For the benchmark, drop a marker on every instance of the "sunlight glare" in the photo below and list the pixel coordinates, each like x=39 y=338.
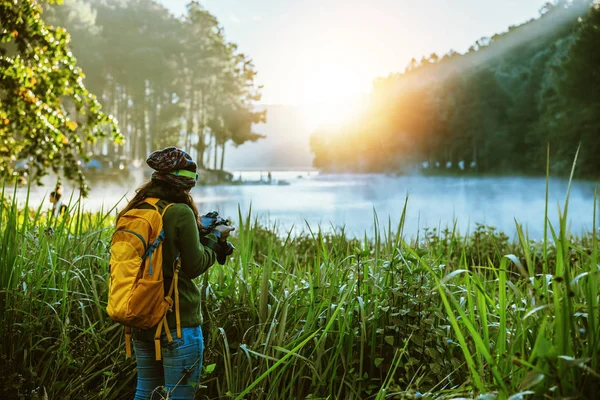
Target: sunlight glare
x=332 y=114
x=331 y=90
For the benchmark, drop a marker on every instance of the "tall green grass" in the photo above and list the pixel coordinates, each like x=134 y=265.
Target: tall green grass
x=319 y=315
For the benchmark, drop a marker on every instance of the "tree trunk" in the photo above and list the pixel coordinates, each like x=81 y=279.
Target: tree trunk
x=110 y=106
x=189 y=128
x=200 y=149
x=126 y=127
x=132 y=139
x=215 y=147
x=153 y=117
x=143 y=138
x=201 y=126
x=474 y=155
x=201 y=146
x=222 y=155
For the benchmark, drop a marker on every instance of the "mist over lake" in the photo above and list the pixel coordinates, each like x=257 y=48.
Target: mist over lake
x=349 y=200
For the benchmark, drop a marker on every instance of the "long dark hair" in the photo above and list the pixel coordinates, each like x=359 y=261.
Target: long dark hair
x=172 y=194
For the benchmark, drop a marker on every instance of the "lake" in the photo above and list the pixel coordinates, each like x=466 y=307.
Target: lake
x=350 y=200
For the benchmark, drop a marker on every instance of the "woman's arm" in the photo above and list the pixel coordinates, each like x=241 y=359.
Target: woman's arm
x=195 y=257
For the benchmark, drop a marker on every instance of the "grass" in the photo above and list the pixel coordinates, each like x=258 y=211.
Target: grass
x=321 y=316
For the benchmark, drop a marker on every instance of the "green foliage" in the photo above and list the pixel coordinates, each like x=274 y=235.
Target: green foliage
x=491 y=110
x=46 y=113
x=316 y=315
x=581 y=85
x=169 y=80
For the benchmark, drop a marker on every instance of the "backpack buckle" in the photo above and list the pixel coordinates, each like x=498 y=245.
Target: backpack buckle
x=169 y=301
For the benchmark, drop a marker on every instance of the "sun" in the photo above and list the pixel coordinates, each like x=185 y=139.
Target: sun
x=330 y=91
x=331 y=114
x=330 y=99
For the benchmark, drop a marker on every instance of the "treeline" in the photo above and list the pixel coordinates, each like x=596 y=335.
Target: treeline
x=492 y=110
x=166 y=80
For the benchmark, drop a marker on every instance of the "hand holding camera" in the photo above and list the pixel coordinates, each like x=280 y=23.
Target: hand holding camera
x=223 y=231
x=217 y=225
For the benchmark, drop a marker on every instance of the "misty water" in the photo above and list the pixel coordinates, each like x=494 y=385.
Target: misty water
x=434 y=202
x=350 y=200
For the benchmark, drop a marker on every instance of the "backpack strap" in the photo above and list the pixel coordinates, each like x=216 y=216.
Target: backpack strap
x=165 y=209
x=128 y=341
x=153 y=201
x=163 y=321
x=152 y=247
x=174 y=282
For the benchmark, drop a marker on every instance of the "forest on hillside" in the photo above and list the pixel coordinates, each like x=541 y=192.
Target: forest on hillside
x=494 y=109
x=165 y=79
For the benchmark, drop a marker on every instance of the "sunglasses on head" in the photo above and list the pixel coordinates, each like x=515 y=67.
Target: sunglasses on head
x=186 y=173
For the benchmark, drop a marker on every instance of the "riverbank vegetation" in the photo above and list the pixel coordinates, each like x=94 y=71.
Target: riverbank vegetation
x=315 y=315
x=166 y=80
x=485 y=111
x=318 y=315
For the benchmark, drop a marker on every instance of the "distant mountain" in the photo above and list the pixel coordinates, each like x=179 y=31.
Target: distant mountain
x=285 y=147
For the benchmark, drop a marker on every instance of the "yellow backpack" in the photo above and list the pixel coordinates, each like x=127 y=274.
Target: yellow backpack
x=136 y=293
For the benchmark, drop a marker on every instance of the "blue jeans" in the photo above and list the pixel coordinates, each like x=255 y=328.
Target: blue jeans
x=178 y=371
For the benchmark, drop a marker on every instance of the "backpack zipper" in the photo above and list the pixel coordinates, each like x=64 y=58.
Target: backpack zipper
x=153 y=247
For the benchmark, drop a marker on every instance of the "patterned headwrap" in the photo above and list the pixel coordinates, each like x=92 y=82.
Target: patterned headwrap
x=173 y=166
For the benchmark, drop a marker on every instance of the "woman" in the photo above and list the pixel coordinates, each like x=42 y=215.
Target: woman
x=179 y=370
x=58 y=208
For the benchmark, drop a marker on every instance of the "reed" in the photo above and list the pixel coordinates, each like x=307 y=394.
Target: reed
x=316 y=315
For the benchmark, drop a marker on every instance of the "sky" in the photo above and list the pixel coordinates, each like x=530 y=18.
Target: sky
x=313 y=52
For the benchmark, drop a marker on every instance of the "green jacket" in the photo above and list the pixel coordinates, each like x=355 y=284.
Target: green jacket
x=182 y=238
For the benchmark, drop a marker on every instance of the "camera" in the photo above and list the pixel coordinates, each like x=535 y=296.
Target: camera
x=211 y=220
